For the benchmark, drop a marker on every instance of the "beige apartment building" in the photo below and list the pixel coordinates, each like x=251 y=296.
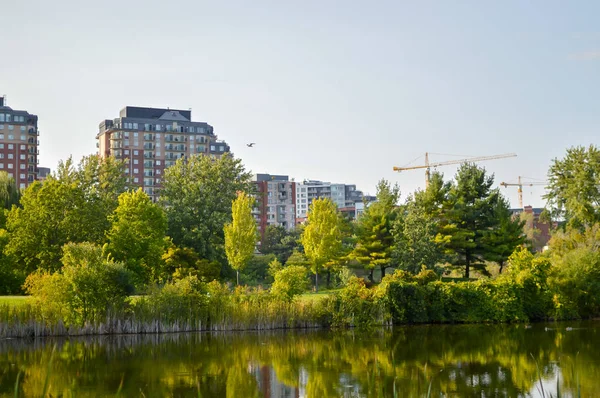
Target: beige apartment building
x=18 y=144
x=152 y=139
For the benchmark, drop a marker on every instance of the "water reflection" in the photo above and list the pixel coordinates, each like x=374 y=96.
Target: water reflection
x=481 y=360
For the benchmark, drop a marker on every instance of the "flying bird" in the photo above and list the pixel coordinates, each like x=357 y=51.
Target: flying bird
x=250 y=145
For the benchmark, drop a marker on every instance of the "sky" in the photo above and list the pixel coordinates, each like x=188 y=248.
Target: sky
x=336 y=91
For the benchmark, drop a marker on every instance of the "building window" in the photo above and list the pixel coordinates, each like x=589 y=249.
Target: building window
x=1 y=146
x=212 y=148
x=135 y=171
x=22 y=176
x=135 y=126
x=157 y=136
x=136 y=180
x=22 y=156
x=22 y=185
x=221 y=148
x=10 y=126
x=1 y=127
x=11 y=146
x=135 y=161
x=1 y=165
x=22 y=166
x=135 y=153
x=1 y=117
x=126 y=151
x=135 y=134
x=158 y=172
x=23 y=147
x=23 y=129
x=159 y=127
x=10 y=166
x=8 y=117
x=11 y=156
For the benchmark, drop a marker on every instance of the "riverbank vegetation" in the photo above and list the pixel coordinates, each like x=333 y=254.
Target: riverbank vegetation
x=98 y=256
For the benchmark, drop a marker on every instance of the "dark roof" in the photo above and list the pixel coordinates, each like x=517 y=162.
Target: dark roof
x=152 y=113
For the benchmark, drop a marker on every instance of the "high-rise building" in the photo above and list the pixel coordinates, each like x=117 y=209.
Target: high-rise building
x=18 y=144
x=152 y=139
x=276 y=202
x=344 y=196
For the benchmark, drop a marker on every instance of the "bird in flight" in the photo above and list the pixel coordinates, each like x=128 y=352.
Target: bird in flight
x=250 y=145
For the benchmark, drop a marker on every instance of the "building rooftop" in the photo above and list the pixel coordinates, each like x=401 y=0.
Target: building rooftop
x=156 y=113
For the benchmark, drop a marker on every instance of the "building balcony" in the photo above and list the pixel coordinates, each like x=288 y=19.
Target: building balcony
x=148 y=155
x=33 y=132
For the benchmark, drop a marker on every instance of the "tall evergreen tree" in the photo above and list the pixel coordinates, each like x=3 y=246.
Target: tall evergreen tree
x=467 y=215
x=375 y=244
x=500 y=242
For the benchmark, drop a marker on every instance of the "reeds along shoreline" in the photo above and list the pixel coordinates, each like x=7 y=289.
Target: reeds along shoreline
x=29 y=322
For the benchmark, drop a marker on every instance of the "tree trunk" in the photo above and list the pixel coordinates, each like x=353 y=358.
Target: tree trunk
x=501 y=263
x=316 y=281
x=383 y=267
x=328 y=278
x=468 y=264
x=371 y=275
x=237 y=274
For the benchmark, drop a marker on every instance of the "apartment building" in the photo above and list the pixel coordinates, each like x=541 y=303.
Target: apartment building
x=275 y=202
x=152 y=139
x=343 y=195
x=18 y=144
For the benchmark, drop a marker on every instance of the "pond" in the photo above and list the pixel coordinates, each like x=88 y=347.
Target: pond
x=455 y=361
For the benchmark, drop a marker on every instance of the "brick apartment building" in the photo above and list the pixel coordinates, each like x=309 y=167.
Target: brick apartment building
x=18 y=144
x=275 y=202
x=152 y=139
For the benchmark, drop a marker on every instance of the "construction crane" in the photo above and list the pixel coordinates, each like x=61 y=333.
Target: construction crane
x=520 y=184
x=427 y=166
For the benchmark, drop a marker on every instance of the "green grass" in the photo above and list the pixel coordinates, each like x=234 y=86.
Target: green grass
x=15 y=301
x=312 y=297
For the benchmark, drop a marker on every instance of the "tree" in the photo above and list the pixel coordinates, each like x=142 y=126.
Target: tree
x=71 y=206
x=240 y=234
x=467 y=215
x=290 y=282
x=500 y=242
x=181 y=262
x=415 y=242
x=9 y=195
x=321 y=237
x=280 y=242
x=574 y=187
x=196 y=195
x=137 y=235
x=375 y=240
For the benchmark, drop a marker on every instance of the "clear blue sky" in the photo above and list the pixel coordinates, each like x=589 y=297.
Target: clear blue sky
x=337 y=91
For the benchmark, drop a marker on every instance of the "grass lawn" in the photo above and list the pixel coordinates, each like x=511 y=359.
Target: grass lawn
x=13 y=300
x=312 y=296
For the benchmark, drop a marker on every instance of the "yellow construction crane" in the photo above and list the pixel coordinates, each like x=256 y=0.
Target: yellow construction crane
x=520 y=184
x=427 y=166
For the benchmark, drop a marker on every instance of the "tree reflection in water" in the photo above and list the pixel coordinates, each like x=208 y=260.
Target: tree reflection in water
x=464 y=360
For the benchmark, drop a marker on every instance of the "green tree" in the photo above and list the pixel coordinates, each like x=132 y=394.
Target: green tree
x=240 y=233
x=196 y=195
x=500 y=242
x=181 y=262
x=280 y=242
x=9 y=195
x=415 y=233
x=321 y=237
x=375 y=244
x=290 y=282
x=467 y=215
x=137 y=235
x=71 y=206
x=574 y=187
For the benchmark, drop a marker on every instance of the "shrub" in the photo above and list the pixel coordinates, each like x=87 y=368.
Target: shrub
x=289 y=282
x=87 y=289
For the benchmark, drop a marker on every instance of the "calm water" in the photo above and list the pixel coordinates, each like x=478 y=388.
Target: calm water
x=462 y=361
